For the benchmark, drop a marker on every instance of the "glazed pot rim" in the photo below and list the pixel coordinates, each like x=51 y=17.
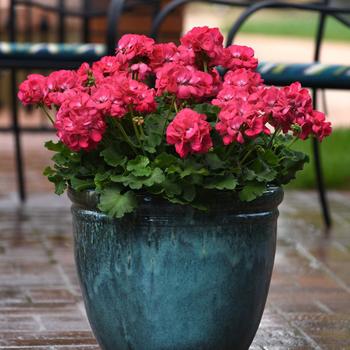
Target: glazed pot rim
x=227 y=201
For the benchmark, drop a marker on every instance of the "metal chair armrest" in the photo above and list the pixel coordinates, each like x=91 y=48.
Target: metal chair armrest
x=115 y=11
x=314 y=7
x=172 y=6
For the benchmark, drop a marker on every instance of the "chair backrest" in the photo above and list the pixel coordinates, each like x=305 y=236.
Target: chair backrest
x=53 y=16
x=173 y=5
x=324 y=8
x=342 y=4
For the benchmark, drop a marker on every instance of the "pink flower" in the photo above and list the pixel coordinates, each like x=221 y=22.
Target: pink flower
x=216 y=84
x=190 y=133
x=118 y=94
x=299 y=100
x=206 y=43
x=140 y=96
x=314 y=124
x=320 y=128
x=286 y=105
x=141 y=70
x=106 y=66
x=79 y=123
x=237 y=56
x=134 y=47
x=239 y=118
x=228 y=95
x=271 y=98
x=33 y=89
x=163 y=54
x=184 y=82
x=243 y=79
x=229 y=127
x=255 y=125
x=83 y=74
x=187 y=57
x=61 y=80
x=57 y=83
x=103 y=97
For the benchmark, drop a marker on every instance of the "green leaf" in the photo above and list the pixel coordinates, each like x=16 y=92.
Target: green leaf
x=152 y=140
x=251 y=191
x=214 y=161
x=228 y=182
x=165 y=160
x=136 y=183
x=174 y=169
x=55 y=147
x=263 y=172
x=48 y=171
x=192 y=168
x=156 y=177
x=115 y=204
x=292 y=161
x=60 y=159
x=60 y=186
x=153 y=128
x=189 y=192
x=207 y=109
x=58 y=180
x=100 y=179
x=248 y=174
x=112 y=157
x=172 y=188
x=176 y=200
x=138 y=166
x=270 y=157
x=81 y=184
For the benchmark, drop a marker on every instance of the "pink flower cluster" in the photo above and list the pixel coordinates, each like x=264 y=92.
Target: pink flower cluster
x=189 y=132
x=79 y=123
x=119 y=86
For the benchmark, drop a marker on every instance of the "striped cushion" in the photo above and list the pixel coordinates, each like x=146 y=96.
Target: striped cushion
x=52 y=51
x=310 y=75
x=316 y=75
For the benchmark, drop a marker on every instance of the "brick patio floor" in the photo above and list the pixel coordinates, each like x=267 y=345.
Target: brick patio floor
x=40 y=304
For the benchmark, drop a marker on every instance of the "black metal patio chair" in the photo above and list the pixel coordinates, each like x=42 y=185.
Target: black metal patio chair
x=313 y=75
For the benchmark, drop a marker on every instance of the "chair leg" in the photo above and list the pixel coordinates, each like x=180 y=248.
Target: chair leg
x=320 y=184
x=319 y=176
x=17 y=138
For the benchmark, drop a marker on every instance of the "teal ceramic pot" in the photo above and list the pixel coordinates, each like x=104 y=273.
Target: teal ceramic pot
x=169 y=277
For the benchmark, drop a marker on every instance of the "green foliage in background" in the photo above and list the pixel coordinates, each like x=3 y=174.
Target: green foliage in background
x=293 y=23
x=336 y=162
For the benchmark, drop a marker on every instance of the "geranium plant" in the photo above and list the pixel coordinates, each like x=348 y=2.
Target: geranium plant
x=160 y=119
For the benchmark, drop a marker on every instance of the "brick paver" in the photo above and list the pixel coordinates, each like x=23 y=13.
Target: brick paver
x=40 y=303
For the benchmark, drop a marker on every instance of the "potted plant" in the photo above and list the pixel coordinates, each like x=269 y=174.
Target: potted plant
x=175 y=174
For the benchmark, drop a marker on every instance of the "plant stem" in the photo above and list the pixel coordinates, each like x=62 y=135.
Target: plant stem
x=273 y=137
x=168 y=115
x=292 y=142
x=142 y=133
x=175 y=106
x=138 y=136
x=126 y=137
x=246 y=156
x=205 y=66
x=47 y=114
x=230 y=148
